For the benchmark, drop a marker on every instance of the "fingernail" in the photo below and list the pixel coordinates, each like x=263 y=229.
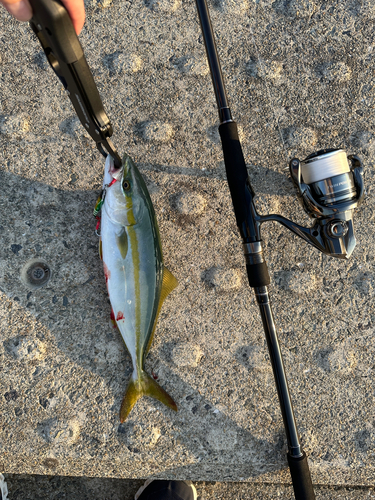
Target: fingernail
x=20 y=10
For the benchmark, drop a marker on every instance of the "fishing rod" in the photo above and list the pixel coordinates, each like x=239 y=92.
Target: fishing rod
x=330 y=186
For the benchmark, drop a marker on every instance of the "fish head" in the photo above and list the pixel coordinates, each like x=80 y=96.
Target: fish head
x=132 y=189
x=125 y=199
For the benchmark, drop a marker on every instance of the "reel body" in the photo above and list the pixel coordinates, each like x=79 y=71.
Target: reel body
x=329 y=189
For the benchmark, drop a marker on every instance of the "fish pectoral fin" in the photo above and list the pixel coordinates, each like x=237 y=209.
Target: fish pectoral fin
x=144 y=386
x=169 y=283
x=100 y=249
x=122 y=242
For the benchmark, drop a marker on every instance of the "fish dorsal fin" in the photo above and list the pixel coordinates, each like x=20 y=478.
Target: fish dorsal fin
x=122 y=242
x=169 y=283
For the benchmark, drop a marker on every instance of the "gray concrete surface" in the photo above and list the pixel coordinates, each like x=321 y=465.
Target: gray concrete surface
x=300 y=77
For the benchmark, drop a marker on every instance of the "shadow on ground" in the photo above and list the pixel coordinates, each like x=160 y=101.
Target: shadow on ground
x=22 y=487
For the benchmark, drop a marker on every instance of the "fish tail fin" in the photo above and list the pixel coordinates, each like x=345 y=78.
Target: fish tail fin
x=133 y=393
x=144 y=386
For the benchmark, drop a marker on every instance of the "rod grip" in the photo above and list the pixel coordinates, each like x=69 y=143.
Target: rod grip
x=236 y=171
x=258 y=274
x=301 y=478
x=242 y=198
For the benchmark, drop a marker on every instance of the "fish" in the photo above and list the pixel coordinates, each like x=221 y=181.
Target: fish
x=137 y=279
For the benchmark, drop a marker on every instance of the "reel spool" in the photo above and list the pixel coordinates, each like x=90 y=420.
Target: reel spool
x=329 y=177
x=329 y=189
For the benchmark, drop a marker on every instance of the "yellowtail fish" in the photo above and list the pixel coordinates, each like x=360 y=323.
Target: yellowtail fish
x=137 y=280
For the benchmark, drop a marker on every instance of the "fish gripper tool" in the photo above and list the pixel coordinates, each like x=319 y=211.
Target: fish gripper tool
x=53 y=27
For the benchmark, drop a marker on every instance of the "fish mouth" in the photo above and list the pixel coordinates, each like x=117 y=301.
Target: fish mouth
x=120 y=172
x=112 y=169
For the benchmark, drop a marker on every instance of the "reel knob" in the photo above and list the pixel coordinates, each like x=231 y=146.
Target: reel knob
x=337 y=228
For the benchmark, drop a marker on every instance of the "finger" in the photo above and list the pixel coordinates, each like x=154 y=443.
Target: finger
x=20 y=9
x=76 y=9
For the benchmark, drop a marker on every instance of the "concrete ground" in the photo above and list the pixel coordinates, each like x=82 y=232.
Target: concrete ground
x=300 y=78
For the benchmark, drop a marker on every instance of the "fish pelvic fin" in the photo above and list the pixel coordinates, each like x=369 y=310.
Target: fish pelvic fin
x=144 y=385
x=100 y=249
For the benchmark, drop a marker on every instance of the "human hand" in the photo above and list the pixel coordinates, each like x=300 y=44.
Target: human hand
x=22 y=11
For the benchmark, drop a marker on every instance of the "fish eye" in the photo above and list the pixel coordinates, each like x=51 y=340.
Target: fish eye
x=126 y=185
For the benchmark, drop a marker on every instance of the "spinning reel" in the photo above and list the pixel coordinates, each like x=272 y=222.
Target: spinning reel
x=329 y=189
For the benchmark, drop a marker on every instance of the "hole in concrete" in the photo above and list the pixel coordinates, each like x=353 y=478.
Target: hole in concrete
x=36 y=273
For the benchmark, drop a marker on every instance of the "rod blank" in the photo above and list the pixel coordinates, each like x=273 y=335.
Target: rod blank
x=214 y=62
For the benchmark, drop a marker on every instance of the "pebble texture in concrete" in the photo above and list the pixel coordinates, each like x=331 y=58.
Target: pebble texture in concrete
x=300 y=78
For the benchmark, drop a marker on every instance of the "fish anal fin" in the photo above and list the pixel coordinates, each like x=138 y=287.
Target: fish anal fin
x=144 y=386
x=122 y=242
x=113 y=319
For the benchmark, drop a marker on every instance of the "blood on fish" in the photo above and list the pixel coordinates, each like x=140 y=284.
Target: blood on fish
x=107 y=272
x=120 y=315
